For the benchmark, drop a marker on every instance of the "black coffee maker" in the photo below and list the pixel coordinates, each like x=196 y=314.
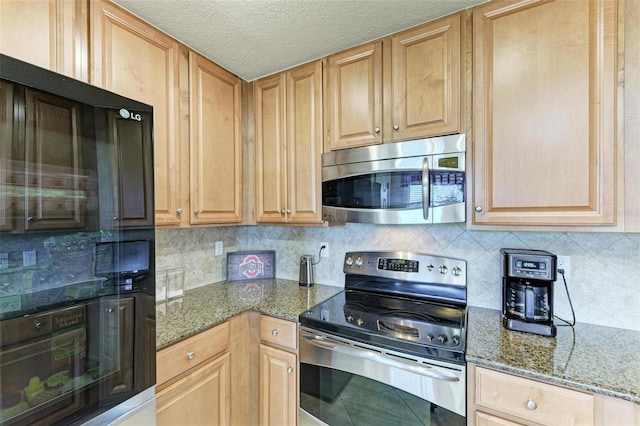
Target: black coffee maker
x=527 y=290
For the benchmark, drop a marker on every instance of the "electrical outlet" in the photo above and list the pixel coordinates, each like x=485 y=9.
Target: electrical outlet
x=219 y=248
x=4 y=260
x=29 y=258
x=325 y=251
x=564 y=262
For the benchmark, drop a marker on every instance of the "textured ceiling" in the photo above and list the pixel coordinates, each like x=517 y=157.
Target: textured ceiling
x=255 y=38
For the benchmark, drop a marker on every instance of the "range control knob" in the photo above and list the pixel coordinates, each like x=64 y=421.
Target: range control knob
x=350 y=318
x=349 y=261
x=456 y=271
x=442 y=338
x=455 y=340
x=359 y=322
x=443 y=269
x=430 y=267
x=429 y=337
x=358 y=262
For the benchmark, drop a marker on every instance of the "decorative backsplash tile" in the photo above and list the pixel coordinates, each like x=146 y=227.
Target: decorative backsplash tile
x=604 y=283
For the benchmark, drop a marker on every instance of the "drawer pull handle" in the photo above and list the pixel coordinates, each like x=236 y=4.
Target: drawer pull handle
x=289 y=370
x=531 y=404
x=191 y=355
x=274 y=332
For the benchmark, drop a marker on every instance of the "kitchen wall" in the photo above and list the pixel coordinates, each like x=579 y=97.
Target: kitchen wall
x=604 y=279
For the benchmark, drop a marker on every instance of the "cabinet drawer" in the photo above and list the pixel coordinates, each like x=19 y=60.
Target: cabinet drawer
x=278 y=331
x=532 y=400
x=190 y=352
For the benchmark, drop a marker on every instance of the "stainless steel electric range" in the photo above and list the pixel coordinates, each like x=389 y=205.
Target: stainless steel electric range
x=390 y=348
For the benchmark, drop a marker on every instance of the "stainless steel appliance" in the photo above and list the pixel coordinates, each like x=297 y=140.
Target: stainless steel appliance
x=527 y=290
x=77 y=241
x=390 y=348
x=307 y=271
x=419 y=181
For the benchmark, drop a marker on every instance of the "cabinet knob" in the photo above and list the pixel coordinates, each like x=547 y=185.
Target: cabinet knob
x=274 y=332
x=179 y=211
x=115 y=218
x=531 y=404
x=110 y=310
x=396 y=127
x=287 y=211
x=377 y=129
x=478 y=209
x=196 y=212
x=191 y=355
x=290 y=370
x=37 y=324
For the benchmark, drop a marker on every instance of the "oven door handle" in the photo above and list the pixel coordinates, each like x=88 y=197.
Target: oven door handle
x=421 y=369
x=426 y=188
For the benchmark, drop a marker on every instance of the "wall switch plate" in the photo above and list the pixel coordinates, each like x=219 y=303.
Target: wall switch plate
x=325 y=251
x=564 y=262
x=29 y=258
x=4 y=260
x=218 y=249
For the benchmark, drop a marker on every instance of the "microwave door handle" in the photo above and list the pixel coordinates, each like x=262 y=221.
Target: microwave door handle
x=426 y=187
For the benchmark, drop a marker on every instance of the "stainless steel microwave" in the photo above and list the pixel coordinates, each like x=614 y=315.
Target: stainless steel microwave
x=418 y=181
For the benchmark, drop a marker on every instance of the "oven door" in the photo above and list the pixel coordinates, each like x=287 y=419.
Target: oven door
x=410 y=190
x=343 y=382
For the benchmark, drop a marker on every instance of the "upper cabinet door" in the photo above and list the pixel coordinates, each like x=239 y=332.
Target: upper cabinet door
x=544 y=109
x=355 y=97
x=51 y=34
x=216 y=143
x=304 y=143
x=425 y=87
x=134 y=59
x=269 y=96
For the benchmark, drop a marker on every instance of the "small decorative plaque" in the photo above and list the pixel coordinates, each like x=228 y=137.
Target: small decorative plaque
x=251 y=265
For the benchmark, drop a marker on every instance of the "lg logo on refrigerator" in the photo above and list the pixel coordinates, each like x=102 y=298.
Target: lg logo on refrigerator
x=124 y=113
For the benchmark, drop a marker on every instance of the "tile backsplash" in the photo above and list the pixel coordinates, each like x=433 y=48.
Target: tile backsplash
x=604 y=281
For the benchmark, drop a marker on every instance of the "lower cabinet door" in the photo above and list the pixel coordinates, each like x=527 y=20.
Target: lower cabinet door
x=200 y=398
x=278 y=387
x=483 y=419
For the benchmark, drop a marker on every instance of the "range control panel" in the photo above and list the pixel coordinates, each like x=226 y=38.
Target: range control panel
x=404 y=265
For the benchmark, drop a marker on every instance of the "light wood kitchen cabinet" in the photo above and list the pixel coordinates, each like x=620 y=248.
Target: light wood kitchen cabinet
x=529 y=400
x=544 y=108
x=202 y=397
x=216 y=143
x=133 y=59
x=194 y=380
x=425 y=81
x=288 y=123
x=278 y=372
x=51 y=34
x=498 y=398
x=354 y=97
x=403 y=87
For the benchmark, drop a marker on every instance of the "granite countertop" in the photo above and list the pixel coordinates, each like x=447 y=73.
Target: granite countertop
x=593 y=358
x=206 y=306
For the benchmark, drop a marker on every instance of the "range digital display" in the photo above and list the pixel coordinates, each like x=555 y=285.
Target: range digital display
x=403 y=265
